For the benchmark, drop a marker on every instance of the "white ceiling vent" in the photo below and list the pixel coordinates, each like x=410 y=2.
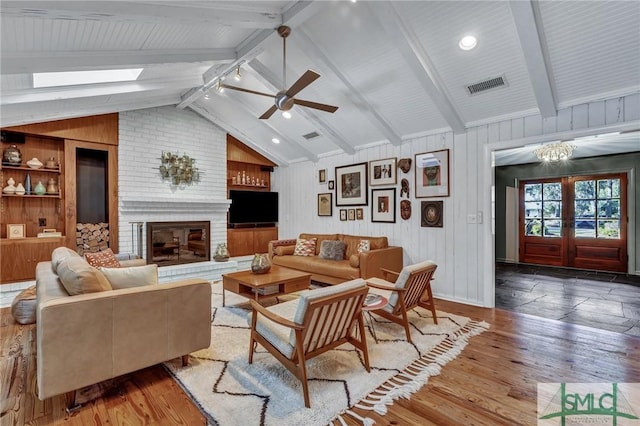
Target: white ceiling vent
x=311 y=135
x=490 y=84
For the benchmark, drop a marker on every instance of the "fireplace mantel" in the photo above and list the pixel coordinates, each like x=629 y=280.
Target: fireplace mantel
x=174 y=205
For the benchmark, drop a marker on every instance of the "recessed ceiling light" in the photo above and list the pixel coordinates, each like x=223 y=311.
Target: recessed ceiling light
x=73 y=78
x=467 y=42
x=275 y=140
x=286 y=114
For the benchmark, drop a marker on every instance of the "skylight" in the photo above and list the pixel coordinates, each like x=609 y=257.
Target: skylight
x=73 y=78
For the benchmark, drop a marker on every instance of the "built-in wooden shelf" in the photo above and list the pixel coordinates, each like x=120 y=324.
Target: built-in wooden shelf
x=31 y=169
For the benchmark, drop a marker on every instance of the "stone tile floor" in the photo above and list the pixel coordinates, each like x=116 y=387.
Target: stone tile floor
x=601 y=300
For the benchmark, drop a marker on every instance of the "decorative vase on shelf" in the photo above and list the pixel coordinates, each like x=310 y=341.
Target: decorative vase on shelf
x=10 y=188
x=52 y=186
x=260 y=264
x=34 y=163
x=20 y=189
x=39 y=189
x=27 y=184
x=12 y=156
x=222 y=253
x=51 y=163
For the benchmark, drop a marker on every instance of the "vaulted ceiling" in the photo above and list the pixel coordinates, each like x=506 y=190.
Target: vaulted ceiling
x=394 y=69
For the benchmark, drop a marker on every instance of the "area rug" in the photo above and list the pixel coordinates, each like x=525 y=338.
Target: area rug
x=230 y=391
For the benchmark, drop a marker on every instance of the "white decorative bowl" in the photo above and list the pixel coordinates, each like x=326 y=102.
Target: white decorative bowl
x=34 y=163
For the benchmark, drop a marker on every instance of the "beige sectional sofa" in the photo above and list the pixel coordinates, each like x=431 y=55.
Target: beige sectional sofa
x=86 y=338
x=352 y=265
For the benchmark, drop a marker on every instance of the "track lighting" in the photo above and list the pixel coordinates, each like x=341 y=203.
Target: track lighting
x=237 y=77
x=220 y=88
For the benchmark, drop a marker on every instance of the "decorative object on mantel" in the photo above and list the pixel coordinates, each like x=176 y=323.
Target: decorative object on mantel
x=557 y=151
x=11 y=187
x=34 y=163
x=12 y=156
x=260 y=264
x=179 y=170
x=222 y=253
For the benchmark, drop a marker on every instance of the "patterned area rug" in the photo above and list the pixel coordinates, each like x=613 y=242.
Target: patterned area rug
x=230 y=391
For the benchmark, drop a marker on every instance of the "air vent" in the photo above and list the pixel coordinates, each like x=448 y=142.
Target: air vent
x=311 y=135
x=483 y=86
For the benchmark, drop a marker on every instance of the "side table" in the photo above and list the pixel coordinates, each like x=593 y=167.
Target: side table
x=371 y=303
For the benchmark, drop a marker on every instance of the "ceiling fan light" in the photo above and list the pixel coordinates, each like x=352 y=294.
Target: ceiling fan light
x=467 y=42
x=286 y=114
x=220 y=89
x=275 y=140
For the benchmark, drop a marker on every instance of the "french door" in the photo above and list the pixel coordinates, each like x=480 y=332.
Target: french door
x=578 y=221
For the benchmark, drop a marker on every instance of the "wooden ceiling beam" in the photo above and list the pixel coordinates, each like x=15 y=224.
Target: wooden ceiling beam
x=531 y=36
x=56 y=61
x=234 y=14
x=407 y=42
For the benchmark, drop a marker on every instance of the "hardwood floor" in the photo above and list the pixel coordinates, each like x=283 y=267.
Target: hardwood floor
x=493 y=381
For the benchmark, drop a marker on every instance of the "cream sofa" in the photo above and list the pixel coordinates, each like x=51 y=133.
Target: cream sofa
x=87 y=338
x=353 y=264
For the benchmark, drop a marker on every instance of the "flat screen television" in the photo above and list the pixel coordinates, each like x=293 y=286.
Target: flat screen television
x=253 y=207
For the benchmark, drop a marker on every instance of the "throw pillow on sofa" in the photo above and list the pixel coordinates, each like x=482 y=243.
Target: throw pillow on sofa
x=78 y=277
x=105 y=259
x=59 y=254
x=134 y=276
x=284 y=250
x=305 y=247
x=333 y=250
x=364 y=245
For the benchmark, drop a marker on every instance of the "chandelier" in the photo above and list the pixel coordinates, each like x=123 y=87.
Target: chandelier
x=557 y=151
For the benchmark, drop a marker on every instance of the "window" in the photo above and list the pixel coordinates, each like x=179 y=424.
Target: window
x=597 y=208
x=543 y=209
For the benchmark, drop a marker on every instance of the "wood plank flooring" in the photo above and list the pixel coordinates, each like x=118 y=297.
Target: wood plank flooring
x=493 y=381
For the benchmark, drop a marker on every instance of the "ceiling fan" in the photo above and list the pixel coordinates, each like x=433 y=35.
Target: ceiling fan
x=284 y=100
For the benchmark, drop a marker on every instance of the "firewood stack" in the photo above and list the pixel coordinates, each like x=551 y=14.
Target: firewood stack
x=92 y=237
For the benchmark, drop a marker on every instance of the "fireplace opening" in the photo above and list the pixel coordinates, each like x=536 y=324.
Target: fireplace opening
x=174 y=243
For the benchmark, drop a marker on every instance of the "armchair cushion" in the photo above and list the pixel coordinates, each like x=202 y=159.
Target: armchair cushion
x=78 y=277
x=276 y=334
x=135 y=276
x=104 y=258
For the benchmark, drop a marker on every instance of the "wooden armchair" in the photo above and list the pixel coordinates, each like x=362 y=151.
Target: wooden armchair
x=318 y=321
x=412 y=288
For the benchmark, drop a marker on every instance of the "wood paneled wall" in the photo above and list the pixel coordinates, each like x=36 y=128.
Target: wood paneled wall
x=97 y=128
x=462 y=250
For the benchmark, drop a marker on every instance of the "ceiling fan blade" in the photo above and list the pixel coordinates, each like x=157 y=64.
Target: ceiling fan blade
x=240 y=89
x=268 y=113
x=315 y=105
x=307 y=78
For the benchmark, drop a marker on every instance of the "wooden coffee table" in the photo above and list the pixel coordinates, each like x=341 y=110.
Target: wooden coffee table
x=261 y=286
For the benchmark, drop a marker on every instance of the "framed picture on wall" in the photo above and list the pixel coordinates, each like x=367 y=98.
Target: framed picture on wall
x=351 y=185
x=383 y=205
x=351 y=213
x=325 y=204
x=359 y=213
x=343 y=214
x=383 y=172
x=331 y=185
x=432 y=174
x=322 y=175
x=431 y=214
